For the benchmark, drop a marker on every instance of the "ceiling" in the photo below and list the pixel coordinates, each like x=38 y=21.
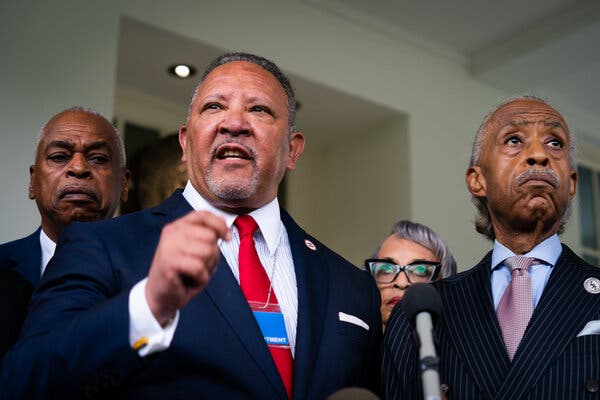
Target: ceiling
x=450 y=23
x=325 y=113
x=546 y=47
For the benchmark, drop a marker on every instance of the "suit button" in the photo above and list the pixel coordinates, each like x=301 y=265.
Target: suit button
x=592 y=385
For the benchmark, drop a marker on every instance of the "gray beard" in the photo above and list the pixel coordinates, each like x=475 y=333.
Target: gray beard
x=237 y=190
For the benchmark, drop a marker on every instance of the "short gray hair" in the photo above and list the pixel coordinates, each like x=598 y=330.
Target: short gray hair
x=483 y=220
x=89 y=111
x=428 y=238
x=266 y=64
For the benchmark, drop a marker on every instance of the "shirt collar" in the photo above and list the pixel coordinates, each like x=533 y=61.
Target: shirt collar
x=548 y=251
x=48 y=247
x=267 y=217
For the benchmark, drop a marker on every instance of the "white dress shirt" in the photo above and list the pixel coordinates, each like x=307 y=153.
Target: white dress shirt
x=48 y=247
x=273 y=248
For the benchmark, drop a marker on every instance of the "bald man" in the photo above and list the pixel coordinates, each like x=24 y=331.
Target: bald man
x=79 y=175
x=525 y=322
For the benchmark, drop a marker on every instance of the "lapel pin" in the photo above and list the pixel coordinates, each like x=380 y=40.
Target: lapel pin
x=312 y=246
x=592 y=285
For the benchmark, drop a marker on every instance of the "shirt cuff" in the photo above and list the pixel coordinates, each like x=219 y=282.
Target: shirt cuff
x=145 y=333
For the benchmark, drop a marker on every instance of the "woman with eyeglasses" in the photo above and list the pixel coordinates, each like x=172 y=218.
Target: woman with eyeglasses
x=412 y=253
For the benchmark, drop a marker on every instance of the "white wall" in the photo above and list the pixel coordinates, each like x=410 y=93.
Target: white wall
x=53 y=57
x=64 y=53
x=350 y=194
x=145 y=110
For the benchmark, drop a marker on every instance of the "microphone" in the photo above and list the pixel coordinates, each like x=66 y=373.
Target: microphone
x=422 y=305
x=353 y=393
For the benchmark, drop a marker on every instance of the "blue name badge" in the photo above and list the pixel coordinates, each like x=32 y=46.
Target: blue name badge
x=272 y=327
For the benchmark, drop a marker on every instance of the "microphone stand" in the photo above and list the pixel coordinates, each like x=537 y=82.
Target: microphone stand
x=428 y=358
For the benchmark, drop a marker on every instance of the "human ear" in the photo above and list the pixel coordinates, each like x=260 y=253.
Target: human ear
x=296 y=148
x=476 y=182
x=31 y=193
x=183 y=141
x=572 y=184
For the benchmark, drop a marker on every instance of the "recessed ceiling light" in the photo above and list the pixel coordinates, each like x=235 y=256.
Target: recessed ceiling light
x=182 y=71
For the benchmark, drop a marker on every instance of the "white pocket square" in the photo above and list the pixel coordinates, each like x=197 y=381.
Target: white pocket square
x=591 y=328
x=351 y=319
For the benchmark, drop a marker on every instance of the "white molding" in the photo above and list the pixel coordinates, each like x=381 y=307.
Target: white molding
x=534 y=36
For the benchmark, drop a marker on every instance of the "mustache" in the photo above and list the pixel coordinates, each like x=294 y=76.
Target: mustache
x=70 y=189
x=214 y=149
x=541 y=174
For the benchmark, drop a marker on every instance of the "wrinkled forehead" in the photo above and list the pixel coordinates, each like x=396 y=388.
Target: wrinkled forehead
x=525 y=112
x=78 y=128
x=242 y=73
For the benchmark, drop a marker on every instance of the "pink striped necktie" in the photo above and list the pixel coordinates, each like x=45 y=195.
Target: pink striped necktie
x=516 y=305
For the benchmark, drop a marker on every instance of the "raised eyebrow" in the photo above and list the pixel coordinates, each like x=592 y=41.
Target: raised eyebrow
x=259 y=100
x=519 y=122
x=554 y=124
x=547 y=122
x=212 y=97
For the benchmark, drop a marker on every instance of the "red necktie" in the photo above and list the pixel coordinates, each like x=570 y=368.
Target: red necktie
x=255 y=285
x=516 y=305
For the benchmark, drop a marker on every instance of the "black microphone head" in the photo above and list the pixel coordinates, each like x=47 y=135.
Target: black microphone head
x=421 y=297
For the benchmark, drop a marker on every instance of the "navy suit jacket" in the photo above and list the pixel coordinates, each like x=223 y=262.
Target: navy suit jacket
x=24 y=256
x=20 y=270
x=550 y=363
x=14 y=296
x=75 y=340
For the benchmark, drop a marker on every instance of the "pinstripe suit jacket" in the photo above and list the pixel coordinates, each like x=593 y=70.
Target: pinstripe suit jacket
x=550 y=363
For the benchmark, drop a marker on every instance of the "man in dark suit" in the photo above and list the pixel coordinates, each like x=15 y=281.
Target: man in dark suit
x=158 y=304
x=525 y=327
x=79 y=175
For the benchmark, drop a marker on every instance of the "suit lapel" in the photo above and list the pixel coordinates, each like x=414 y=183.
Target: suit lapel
x=174 y=207
x=312 y=280
x=551 y=328
x=473 y=327
x=27 y=257
x=225 y=293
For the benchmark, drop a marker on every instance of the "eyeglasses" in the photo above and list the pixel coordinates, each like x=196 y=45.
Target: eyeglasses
x=385 y=271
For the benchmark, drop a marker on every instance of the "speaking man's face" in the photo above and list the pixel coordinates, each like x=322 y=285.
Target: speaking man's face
x=236 y=145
